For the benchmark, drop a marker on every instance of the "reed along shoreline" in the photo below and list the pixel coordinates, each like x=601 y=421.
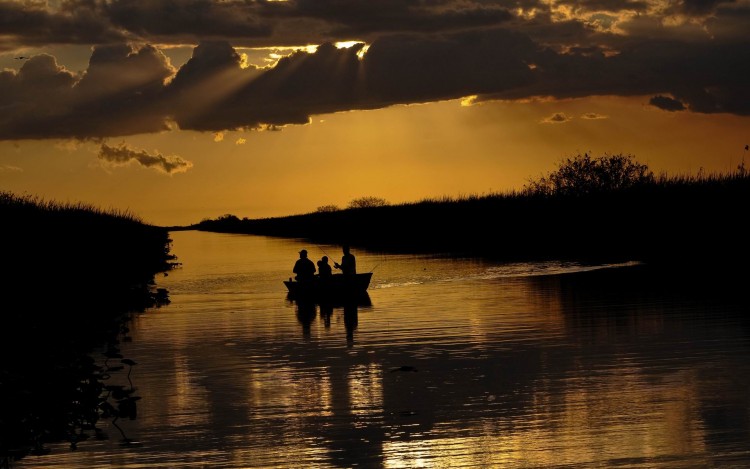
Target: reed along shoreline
x=72 y=277
x=678 y=223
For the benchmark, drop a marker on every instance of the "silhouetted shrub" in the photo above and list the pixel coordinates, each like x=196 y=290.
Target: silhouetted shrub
x=327 y=208
x=229 y=218
x=368 y=202
x=585 y=175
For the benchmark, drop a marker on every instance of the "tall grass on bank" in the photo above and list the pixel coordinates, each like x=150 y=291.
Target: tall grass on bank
x=603 y=209
x=71 y=275
x=80 y=249
x=24 y=205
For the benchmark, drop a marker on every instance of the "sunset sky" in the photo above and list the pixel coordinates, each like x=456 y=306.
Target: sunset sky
x=182 y=110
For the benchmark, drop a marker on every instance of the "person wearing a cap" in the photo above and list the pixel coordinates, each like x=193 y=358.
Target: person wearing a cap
x=304 y=267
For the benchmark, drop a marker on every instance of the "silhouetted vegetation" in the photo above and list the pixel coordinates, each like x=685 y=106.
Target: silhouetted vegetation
x=606 y=209
x=72 y=275
x=368 y=202
x=328 y=208
x=77 y=250
x=583 y=175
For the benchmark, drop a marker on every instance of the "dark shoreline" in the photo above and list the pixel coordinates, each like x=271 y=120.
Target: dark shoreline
x=75 y=276
x=72 y=279
x=695 y=226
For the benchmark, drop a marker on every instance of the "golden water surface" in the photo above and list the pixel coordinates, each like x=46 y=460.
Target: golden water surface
x=452 y=363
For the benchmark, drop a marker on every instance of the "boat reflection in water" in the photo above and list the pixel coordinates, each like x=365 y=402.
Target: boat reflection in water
x=457 y=363
x=337 y=291
x=307 y=309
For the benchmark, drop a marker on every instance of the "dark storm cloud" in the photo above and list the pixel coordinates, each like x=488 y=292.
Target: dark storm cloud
x=118 y=68
x=399 y=69
x=31 y=23
x=666 y=103
x=729 y=21
x=36 y=96
x=699 y=7
x=243 y=22
x=556 y=118
x=206 y=88
x=122 y=154
x=606 y=5
x=418 y=51
x=97 y=22
x=188 y=18
x=706 y=77
x=593 y=116
x=298 y=86
x=358 y=18
x=408 y=68
x=119 y=94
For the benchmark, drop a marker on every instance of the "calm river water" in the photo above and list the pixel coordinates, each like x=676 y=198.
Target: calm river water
x=452 y=363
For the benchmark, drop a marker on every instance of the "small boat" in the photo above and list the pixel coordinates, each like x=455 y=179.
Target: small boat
x=336 y=286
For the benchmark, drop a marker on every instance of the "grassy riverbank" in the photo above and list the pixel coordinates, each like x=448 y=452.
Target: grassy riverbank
x=606 y=210
x=79 y=255
x=72 y=274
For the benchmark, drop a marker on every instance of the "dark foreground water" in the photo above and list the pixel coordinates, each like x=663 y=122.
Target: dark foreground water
x=452 y=363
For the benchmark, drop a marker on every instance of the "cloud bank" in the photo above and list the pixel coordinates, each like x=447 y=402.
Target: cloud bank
x=691 y=55
x=556 y=118
x=122 y=154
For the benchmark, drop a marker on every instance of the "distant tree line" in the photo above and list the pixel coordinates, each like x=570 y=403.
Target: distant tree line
x=360 y=202
x=610 y=208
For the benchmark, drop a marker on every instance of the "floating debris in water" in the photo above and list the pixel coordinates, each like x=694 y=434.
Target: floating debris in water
x=404 y=368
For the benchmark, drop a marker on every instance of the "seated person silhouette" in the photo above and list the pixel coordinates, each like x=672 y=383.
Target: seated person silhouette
x=324 y=268
x=304 y=267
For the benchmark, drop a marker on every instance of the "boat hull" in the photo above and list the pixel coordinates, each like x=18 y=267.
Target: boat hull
x=335 y=287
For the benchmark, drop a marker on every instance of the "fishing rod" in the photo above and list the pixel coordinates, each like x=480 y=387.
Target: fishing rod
x=376 y=265
x=327 y=255
x=324 y=251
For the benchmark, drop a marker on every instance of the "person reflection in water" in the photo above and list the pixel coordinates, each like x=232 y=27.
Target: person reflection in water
x=326 y=311
x=306 y=312
x=348 y=264
x=351 y=320
x=304 y=267
x=324 y=268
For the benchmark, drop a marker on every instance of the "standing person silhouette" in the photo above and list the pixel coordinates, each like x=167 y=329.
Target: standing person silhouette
x=304 y=267
x=348 y=264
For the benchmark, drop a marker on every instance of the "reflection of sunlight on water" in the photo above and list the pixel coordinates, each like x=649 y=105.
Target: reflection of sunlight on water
x=365 y=389
x=497 y=365
x=576 y=428
x=283 y=390
x=446 y=270
x=188 y=404
x=545 y=268
x=627 y=417
x=394 y=284
x=485 y=451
